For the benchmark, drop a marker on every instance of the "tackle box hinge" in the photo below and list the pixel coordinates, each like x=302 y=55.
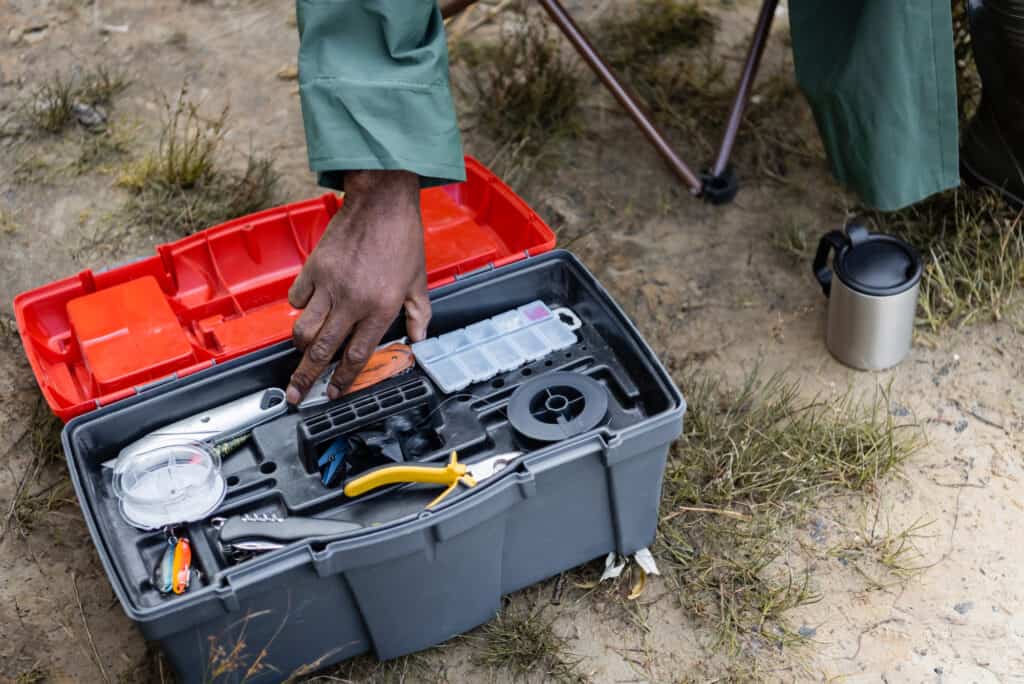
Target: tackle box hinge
x=139 y=389
x=474 y=272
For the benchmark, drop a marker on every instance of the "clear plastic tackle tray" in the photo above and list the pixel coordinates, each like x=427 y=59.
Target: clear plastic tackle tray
x=496 y=345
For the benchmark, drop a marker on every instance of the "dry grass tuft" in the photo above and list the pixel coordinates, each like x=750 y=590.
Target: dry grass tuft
x=522 y=92
x=43 y=484
x=9 y=332
x=9 y=223
x=184 y=185
x=99 y=151
x=99 y=86
x=665 y=50
x=44 y=435
x=523 y=643
x=35 y=675
x=367 y=669
x=655 y=28
x=751 y=462
x=883 y=557
x=51 y=108
x=793 y=238
x=973 y=245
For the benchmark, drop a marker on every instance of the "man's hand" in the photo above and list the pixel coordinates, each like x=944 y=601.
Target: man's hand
x=368 y=264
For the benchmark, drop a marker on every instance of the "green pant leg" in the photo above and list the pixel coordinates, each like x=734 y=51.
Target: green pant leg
x=373 y=82
x=881 y=79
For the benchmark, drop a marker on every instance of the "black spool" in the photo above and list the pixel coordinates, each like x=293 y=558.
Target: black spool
x=557 y=406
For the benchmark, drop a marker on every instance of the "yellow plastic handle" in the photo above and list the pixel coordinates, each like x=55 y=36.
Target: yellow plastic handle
x=447 y=475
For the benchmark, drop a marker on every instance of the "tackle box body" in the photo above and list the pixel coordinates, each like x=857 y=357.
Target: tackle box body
x=423 y=576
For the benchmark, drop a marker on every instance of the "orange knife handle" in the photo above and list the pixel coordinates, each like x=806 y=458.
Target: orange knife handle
x=386 y=362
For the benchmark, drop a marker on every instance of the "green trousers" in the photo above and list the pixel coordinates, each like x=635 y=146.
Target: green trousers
x=881 y=79
x=879 y=75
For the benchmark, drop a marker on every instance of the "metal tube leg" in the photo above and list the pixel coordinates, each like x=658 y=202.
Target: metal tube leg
x=739 y=105
x=579 y=41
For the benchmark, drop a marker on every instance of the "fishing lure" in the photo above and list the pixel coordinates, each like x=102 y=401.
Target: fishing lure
x=174 y=572
x=228 y=447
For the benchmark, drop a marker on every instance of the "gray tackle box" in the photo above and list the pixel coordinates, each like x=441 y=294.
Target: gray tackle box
x=421 y=576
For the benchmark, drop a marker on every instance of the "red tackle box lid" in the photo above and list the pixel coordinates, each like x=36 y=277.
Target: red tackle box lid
x=101 y=336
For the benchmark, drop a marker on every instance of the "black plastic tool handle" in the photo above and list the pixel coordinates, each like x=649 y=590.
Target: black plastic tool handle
x=281 y=530
x=834 y=240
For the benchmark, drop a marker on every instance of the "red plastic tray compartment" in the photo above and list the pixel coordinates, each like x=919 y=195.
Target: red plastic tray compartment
x=99 y=337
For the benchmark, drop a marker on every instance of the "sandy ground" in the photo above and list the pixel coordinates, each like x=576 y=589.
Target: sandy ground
x=702 y=283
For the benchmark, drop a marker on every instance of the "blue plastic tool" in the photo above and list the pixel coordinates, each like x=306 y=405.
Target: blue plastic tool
x=330 y=462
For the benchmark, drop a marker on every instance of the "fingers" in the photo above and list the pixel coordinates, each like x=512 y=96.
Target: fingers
x=417 y=312
x=308 y=325
x=318 y=355
x=364 y=340
x=301 y=289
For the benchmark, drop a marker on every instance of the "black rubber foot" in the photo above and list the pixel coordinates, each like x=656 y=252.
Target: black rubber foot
x=720 y=189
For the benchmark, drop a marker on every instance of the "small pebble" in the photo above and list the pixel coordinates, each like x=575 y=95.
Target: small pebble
x=807 y=632
x=963 y=607
x=34 y=34
x=899 y=411
x=817 y=531
x=961 y=425
x=90 y=117
x=938 y=670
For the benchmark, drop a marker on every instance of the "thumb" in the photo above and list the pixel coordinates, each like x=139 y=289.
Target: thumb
x=302 y=288
x=417 y=311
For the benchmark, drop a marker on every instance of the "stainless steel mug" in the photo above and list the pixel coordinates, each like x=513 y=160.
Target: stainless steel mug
x=872 y=287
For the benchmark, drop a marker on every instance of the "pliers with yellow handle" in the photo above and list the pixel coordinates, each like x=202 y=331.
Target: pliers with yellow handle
x=451 y=475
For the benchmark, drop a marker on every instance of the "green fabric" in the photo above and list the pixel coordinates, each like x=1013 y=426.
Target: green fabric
x=881 y=79
x=373 y=81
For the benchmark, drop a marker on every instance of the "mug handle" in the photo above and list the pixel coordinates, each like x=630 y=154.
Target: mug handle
x=834 y=240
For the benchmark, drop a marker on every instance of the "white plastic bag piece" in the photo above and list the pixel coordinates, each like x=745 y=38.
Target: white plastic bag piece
x=611 y=568
x=614 y=565
x=645 y=560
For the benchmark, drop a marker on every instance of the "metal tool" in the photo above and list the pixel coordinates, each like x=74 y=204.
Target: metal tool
x=451 y=475
x=257 y=532
x=386 y=362
x=225 y=421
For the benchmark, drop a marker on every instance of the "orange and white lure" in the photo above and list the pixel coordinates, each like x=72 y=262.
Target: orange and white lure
x=174 y=572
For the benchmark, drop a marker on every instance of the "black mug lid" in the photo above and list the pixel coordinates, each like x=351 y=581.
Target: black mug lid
x=877 y=264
